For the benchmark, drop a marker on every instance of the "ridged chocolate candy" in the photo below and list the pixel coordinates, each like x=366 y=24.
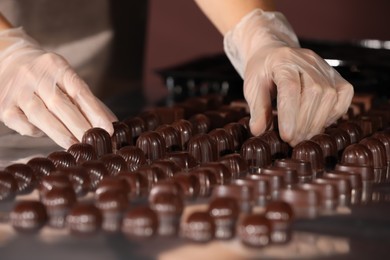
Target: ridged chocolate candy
x=200 y=123
x=99 y=139
x=303 y=168
x=183 y=159
x=203 y=148
x=329 y=150
x=114 y=163
x=79 y=178
x=254 y=230
x=199 y=227
x=133 y=156
x=24 y=176
x=28 y=216
x=239 y=134
x=136 y=126
x=378 y=151
x=62 y=159
x=84 y=219
x=121 y=136
x=153 y=145
x=257 y=153
x=151 y=120
x=236 y=164
x=184 y=127
x=171 y=136
x=223 y=140
x=140 y=222
x=279 y=148
x=311 y=152
x=41 y=166
x=8 y=186
x=96 y=171
x=354 y=130
x=82 y=152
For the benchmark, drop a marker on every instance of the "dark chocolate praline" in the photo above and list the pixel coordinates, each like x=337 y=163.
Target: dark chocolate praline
x=62 y=159
x=8 y=186
x=84 y=219
x=225 y=212
x=200 y=123
x=121 y=136
x=140 y=222
x=136 y=126
x=257 y=153
x=254 y=230
x=224 y=141
x=184 y=127
x=96 y=171
x=79 y=178
x=41 y=166
x=57 y=179
x=114 y=163
x=152 y=144
x=199 y=227
x=133 y=156
x=310 y=151
x=24 y=176
x=82 y=152
x=28 y=216
x=100 y=139
x=203 y=148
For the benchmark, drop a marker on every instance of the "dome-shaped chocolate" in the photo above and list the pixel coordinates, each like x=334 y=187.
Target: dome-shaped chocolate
x=168 y=167
x=256 y=152
x=82 y=152
x=171 y=136
x=311 y=152
x=303 y=168
x=329 y=149
x=236 y=164
x=239 y=134
x=57 y=179
x=201 y=124
x=184 y=127
x=224 y=211
x=114 y=163
x=41 y=166
x=357 y=154
x=378 y=151
x=141 y=222
x=79 y=178
x=151 y=120
x=254 y=230
x=28 y=216
x=279 y=148
x=223 y=140
x=199 y=227
x=133 y=156
x=24 y=176
x=183 y=159
x=121 y=136
x=222 y=172
x=96 y=171
x=84 y=219
x=62 y=159
x=8 y=186
x=281 y=215
x=203 y=148
x=354 y=131
x=99 y=139
x=152 y=144
x=138 y=183
x=136 y=126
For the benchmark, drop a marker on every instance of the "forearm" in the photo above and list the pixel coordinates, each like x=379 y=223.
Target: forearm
x=224 y=14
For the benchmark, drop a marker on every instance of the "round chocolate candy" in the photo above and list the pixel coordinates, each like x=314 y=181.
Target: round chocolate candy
x=223 y=140
x=254 y=230
x=357 y=154
x=344 y=189
x=100 y=139
x=114 y=163
x=276 y=182
x=8 y=186
x=164 y=186
x=256 y=153
x=310 y=151
x=200 y=123
x=171 y=136
x=169 y=167
x=367 y=124
x=138 y=184
x=222 y=172
x=236 y=164
x=82 y=152
x=305 y=202
x=84 y=219
x=261 y=189
x=112 y=203
x=281 y=215
x=199 y=227
x=341 y=136
x=24 y=176
x=207 y=179
x=303 y=168
x=152 y=174
x=184 y=127
x=151 y=120
x=279 y=148
x=57 y=179
x=121 y=136
x=290 y=176
x=378 y=151
x=329 y=150
x=133 y=156
x=182 y=159
x=245 y=123
x=28 y=216
x=62 y=159
x=328 y=195
x=152 y=144
x=79 y=178
x=41 y=166
x=242 y=192
x=239 y=134
x=140 y=222
x=58 y=201
x=96 y=171
x=112 y=184
x=136 y=126
x=188 y=183
x=354 y=131
x=203 y=148
x=355 y=180
x=225 y=212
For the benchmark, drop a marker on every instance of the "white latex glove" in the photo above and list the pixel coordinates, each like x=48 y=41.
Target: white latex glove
x=310 y=94
x=39 y=92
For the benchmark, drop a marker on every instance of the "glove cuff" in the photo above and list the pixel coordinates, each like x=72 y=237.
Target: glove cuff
x=254 y=31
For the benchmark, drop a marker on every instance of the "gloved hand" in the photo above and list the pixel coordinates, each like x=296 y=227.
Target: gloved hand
x=310 y=94
x=39 y=92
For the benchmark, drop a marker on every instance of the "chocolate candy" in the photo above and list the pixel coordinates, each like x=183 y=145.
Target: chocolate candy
x=260 y=187
x=239 y=134
x=203 y=148
x=121 y=136
x=305 y=202
x=341 y=136
x=224 y=141
x=41 y=166
x=136 y=126
x=279 y=149
x=182 y=159
x=152 y=144
x=224 y=212
x=254 y=230
x=152 y=174
x=55 y=180
x=168 y=115
x=343 y=186
x=84 y=219
x=8 y=186
x=328 y=195
x=140 y=222
x=222 y=172
x=240 y=191
x=62 y=159
x=281 y=215
x=96 y=172
x=133 y=156
x=151 y=120
x=114 y=163
x=24 y=176
x=303 y=168
x=355 y=180
x=28 y=216
x=199 y=227
x=112 y=184
x=58 y=202
x=171 y=136
x=290 y=176
x=219 y=118
x=257 y=153
x=164 y=186
x=329 y=149
x=385 y=139
x=189 y=184
x=82 y=152
x=79 y=178
x=184 y=127
x=138 y=184
x=168 y=167
x=245 y=123
x=99 y=139
x=354 y=131
x=236 y=164
x=207 y=179
x=379 y=162
x=310 y=151
x=276 y=182
x=200 y=123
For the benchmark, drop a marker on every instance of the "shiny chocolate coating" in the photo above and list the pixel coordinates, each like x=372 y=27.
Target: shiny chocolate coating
x=82 y=152
x=183 y=159
x=236 y=164
x=184 y=127
x=168 y=115
x=261 y=188
x=140 y=222
x=62 y=159
x=279 y=148
x=203 y=148
x=223 y=140
x=28 y=216
x=152 y=144
x=201 y=124
x=310 y=151
x=188 y=183
x=112 y=184
x=354 y=131
x=207 y=179
x=24 y=176
x=256 y=153
x=121 y=136
x=57 y=179
x=96 y=171
x=385 y=139
x=84 y=219
x=245 y=123
x=290 y=176
x=79 y=178
x=378 y=151
x=328 y=194
x=219 y=118
x=151 y=120
x=254 y=230
x=133 y=156
x=152 y=174
x=303 y=168
x=199 y=227
x=138 y=184
x=41 y=166
x=281 y=215
x=242 y=192
x=114 y=163
x=341 y=136
x=222 y=172
x=239 y=134
x=171 y=136
x=58 y=201
x=329 y=150
x=357 y=154
x=169 y=167
x=224 y=212
x=344 y=188
x=100 y=139
x=164 y=186
x=136 y=126
x=355 y=180
x=8 y=186
x=305 y=202
x=276 y=182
